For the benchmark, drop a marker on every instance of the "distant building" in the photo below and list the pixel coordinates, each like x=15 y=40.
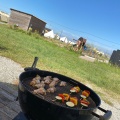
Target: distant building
x=71 y=42
x=57 y=36
x=115 y=58
x=47 y=30
x=4 y=16
x=64 y=39
x=26 y=21
x=49 y=34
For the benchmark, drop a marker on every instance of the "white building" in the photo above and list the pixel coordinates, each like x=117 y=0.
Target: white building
x=64 y=39
x=49 y=34
x=71 y=42
x=57 y=37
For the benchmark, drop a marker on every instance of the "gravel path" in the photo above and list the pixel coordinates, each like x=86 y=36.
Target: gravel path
x=10 y=71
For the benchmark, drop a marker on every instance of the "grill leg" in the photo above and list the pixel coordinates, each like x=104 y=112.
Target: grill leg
x=16 y=99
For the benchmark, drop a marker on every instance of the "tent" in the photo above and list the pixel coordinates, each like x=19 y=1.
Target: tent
x=49 y=34
x=64 y=39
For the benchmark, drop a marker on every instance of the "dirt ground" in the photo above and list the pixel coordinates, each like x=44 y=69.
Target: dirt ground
x=85 y=57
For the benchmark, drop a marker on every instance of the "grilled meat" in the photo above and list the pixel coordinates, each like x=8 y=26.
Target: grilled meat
x=37 y=78
x=48 y=78
x=34 y=82
x=40 y=85
x=48 y=81
x=62 y=83
x=56 y=80
x=52 y=84
x=51 y=90
x=42 y=82
x=40 y=91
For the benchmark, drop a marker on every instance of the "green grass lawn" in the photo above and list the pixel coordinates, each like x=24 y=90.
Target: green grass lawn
x=22 y=48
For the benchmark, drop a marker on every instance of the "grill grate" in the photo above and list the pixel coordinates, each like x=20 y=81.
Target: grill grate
x=49 y=97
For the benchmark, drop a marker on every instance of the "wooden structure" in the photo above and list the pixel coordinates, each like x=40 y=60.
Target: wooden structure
x=9 y=107
x=26 y=21
x=4 y=16
x=115 y=58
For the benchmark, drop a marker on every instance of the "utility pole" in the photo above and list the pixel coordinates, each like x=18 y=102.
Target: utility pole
x=61 y=33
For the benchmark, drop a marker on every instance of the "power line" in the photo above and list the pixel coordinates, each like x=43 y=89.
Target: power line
x=74 y=29
x=95 y=41
x=61 y=31
x=102 y=43
x=84 y=32
x=6 y=9
x=113 y=46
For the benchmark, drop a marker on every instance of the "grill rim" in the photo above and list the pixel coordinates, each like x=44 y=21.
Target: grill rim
x=71 y=80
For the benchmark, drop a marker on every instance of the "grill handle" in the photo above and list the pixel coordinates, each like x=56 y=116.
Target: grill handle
x=33 y=67
x=35 y=62
x=106 y=116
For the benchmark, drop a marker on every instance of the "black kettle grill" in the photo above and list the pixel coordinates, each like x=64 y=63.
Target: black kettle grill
x=39 y=107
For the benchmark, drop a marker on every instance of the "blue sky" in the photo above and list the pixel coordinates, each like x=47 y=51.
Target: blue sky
x=96 y=20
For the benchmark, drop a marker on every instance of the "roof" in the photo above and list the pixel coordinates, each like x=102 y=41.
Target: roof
x=26 y=14
x=48 y=29
x=3 y=13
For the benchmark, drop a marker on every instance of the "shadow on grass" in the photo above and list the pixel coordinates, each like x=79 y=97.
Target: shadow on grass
x=3 y=48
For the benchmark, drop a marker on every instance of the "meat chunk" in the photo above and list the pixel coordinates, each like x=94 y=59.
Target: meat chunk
x=48 y=81
x=42 y=82
x=34 y=82
x=40 y=85
x=37 y=78
x=56 y=79
x=52 y=84
x=48 y=78
x=62 y=83
x=40 y=91
x=51 y=90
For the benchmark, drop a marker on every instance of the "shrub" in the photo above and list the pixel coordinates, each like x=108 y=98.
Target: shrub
x=29 y=32
x=36 y=34
x=15 y=26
